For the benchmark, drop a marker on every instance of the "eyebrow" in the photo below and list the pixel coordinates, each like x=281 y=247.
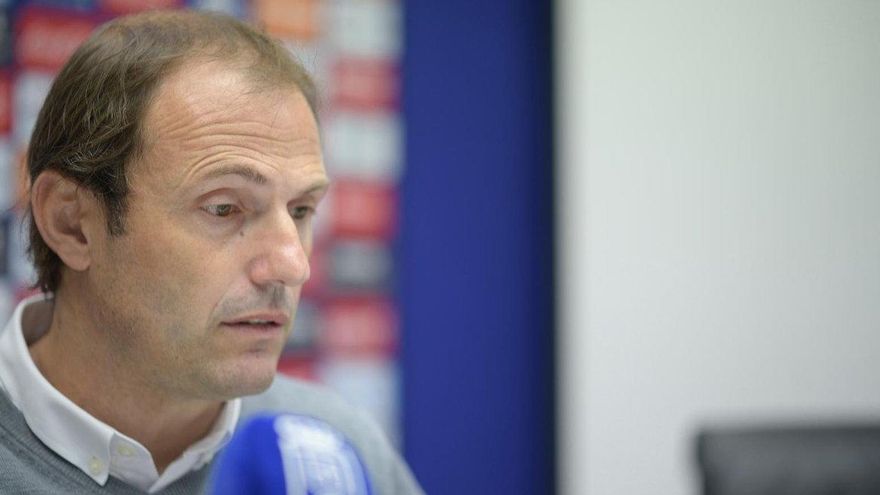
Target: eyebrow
x=317 y=187
x=243 y=171
x=252 y=175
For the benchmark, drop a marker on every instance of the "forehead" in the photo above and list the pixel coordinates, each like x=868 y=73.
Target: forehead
x=209 y=107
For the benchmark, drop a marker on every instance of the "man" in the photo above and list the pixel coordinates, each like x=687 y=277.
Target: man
x=174 y=168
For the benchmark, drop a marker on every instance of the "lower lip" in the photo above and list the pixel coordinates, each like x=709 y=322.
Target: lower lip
x=264 y=330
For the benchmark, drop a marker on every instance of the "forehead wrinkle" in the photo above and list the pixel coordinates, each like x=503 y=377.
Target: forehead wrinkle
x=194 y=171
x=208 y=143
x=223 y=125
x=228 y=122
x=227 y=83
x=295 y=151
x=203 y=126
x=265 y=147
x=299 y=154
x=174 y=115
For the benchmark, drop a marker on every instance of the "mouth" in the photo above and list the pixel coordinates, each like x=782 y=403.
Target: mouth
x=258 y=323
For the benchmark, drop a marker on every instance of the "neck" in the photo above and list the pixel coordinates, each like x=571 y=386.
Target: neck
x=77 y=360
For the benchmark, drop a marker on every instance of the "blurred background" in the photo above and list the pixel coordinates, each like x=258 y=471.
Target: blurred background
x=578 y=247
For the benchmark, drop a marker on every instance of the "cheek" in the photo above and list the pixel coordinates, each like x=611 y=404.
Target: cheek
x=167 y=274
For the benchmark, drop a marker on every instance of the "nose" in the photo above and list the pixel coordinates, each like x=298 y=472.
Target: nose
x=281 y=253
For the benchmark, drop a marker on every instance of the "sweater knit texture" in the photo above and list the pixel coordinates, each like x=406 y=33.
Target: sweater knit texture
x=28 y=467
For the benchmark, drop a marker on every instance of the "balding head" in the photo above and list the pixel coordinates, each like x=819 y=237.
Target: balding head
x=90 y=128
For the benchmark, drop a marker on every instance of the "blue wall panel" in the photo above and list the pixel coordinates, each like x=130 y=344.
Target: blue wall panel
x=476 y=246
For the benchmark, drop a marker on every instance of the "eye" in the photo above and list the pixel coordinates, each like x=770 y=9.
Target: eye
x=221 y=210
x=301 y=212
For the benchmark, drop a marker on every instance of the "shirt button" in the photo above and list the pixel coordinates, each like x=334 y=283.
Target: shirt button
x=96 y=467
x=125 y=450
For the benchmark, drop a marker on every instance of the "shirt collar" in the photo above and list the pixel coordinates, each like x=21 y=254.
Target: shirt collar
x=91 y=445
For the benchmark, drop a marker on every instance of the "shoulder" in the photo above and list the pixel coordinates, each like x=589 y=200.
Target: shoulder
x=290 y=396
x=388 y=472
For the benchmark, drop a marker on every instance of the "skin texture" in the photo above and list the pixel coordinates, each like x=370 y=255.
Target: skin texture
x=218 y=230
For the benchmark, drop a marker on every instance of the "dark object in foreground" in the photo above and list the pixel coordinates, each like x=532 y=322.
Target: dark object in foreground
x=823 y=460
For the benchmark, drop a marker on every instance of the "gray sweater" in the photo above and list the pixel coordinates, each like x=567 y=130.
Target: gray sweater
x=29 y=467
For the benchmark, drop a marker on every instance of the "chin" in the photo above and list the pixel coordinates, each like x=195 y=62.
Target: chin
x=255 y=387
x=248 y=378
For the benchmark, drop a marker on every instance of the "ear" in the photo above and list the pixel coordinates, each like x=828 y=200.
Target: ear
x=65 y=213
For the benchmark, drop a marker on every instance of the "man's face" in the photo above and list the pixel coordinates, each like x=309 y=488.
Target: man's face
x=198 y=296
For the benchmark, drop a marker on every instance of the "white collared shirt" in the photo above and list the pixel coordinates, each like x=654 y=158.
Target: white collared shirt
x=86 y=442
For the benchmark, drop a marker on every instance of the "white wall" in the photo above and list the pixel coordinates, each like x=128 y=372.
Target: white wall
x=719 y=202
